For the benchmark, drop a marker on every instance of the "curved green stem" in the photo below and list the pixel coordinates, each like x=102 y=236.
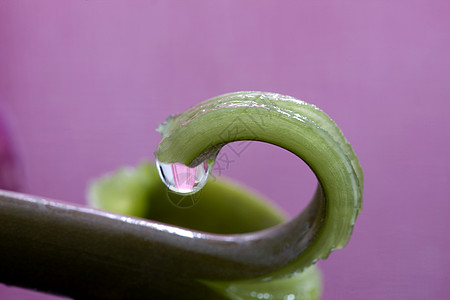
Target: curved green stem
x=326 y=224
x=90 y=254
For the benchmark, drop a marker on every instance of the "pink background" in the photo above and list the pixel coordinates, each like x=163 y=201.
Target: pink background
x=86 y=82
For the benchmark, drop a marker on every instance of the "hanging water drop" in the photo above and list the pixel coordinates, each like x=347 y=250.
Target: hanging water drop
x=182 y=179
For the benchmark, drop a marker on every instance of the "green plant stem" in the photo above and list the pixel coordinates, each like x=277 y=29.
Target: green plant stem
x=303 y=129
x=89 y=254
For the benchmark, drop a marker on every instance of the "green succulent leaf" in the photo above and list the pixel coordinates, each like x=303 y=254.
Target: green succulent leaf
x=223 y=207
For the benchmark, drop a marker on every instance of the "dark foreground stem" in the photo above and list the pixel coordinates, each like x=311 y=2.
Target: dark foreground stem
x=88 y=254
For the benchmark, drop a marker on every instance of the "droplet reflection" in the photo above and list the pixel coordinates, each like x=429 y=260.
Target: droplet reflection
x=182 y=179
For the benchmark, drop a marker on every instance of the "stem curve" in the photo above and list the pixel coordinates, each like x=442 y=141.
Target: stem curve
x=301 y=128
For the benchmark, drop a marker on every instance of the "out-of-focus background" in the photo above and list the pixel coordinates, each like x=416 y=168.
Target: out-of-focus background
x=83 y=84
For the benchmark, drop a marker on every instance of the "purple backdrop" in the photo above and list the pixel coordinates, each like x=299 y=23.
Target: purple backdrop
x=86 y=83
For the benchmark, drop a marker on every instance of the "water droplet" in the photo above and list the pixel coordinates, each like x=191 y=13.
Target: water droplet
x=183 y=180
